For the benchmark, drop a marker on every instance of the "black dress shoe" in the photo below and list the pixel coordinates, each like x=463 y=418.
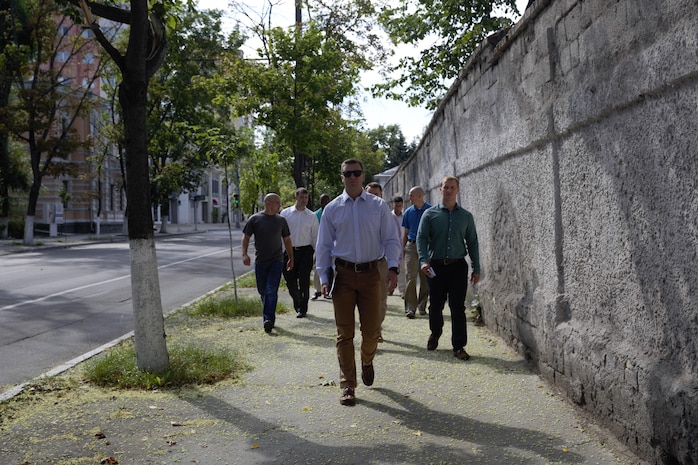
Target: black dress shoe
x=432 y=343
x=300 y=315
x=316 y=296
x=367 y=374
x=347 y=397
x=268 y=326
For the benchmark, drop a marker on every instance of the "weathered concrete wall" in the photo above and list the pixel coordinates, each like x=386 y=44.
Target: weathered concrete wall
x=575 y=139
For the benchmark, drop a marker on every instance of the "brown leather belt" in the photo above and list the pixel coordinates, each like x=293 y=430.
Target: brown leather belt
x=357 y=267
x=445 y=261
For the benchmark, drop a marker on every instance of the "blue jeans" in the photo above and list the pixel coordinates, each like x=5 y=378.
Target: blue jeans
x=268 y=277
x=450 y=282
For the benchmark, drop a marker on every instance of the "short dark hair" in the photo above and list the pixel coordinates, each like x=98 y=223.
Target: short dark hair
x=398 y=198
x=353 y=161
x=301 y=190
x=375 y=185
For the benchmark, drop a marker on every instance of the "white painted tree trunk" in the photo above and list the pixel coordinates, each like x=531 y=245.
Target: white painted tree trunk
x=151 y=347
x=28 y=230
x=163 y=223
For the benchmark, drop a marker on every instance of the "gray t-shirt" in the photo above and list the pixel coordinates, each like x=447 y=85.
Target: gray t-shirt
x=268 y=231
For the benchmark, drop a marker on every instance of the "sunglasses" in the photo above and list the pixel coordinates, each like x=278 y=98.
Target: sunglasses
x=355 y=173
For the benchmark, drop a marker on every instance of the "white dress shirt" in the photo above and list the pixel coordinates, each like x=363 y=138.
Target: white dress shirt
x=356 y=230
x=303 y=225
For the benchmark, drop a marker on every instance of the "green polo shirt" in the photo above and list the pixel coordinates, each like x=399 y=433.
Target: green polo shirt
x=445 y=233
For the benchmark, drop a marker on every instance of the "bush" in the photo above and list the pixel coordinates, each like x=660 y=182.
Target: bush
x=15 y=229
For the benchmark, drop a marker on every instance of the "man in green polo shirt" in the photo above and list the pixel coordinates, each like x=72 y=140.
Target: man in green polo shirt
x=445 y=236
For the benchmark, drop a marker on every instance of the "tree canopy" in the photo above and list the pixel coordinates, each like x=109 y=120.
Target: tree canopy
x=446 y=33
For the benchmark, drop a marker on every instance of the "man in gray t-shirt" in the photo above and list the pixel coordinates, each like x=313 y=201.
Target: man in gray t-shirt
x=268 y=227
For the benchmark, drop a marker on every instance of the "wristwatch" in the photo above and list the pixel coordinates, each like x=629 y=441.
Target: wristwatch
x=395 y=269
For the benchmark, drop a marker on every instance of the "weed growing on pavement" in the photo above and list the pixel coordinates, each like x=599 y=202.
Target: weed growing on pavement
x=227 y=307
x=189 y=365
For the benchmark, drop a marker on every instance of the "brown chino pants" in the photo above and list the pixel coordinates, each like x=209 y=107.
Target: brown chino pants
x=363 y=290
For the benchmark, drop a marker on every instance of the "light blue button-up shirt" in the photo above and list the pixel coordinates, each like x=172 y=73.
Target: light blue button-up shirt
x=356 y=230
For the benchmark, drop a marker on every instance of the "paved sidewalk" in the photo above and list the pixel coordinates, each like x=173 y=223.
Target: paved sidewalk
x=424 y=408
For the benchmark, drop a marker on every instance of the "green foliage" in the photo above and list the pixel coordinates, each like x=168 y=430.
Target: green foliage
x=15 y=229
x=189 y=365
x=447 y=32
x=306 y=80
x=185 y=105
x=391 y=141
x=47 y=106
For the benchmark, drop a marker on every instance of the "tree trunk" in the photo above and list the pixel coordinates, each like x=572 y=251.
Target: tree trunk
x=29 y=230
x=31 y=207
x=5 y=86
x=151 y=347
x=164 y=213
x=163 y=223
x=4 y=184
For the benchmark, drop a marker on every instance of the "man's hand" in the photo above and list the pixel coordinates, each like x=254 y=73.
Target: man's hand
x=474 y=279
x=325 y=289
x=289 y=264
x=392 y=281
x=246 y=259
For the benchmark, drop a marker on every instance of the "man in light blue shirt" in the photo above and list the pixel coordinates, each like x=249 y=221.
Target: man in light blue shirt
x=416 y=294
x=358 y=232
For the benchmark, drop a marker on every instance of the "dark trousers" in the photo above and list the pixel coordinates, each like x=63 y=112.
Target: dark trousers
x=298 y=278
x=450 y=282
x=268 y=276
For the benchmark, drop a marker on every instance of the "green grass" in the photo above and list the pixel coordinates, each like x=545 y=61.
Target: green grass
x=228 y=307
x=189 y=365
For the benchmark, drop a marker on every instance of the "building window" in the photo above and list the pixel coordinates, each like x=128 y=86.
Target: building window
x=62 y=57
x=214 y=186
x=88 y=58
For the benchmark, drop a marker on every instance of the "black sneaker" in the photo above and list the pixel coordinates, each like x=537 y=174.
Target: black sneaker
x=316 y=296
x=268 y=326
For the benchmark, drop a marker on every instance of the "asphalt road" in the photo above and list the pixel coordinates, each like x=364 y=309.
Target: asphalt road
x=57 y=304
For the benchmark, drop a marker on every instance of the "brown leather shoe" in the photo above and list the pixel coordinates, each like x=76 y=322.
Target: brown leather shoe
x=367 y=374
x=461 y=354
x=433 y=342
x=347 y=397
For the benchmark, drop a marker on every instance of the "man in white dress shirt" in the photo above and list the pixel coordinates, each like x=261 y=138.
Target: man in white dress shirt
x=304 y=228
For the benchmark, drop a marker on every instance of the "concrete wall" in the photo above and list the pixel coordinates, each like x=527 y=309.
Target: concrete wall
x=575 y=139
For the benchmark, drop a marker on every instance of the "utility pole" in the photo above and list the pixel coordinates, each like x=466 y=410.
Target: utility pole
x=298 y=157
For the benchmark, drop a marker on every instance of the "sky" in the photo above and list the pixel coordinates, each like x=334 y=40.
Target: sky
x=376 y=111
